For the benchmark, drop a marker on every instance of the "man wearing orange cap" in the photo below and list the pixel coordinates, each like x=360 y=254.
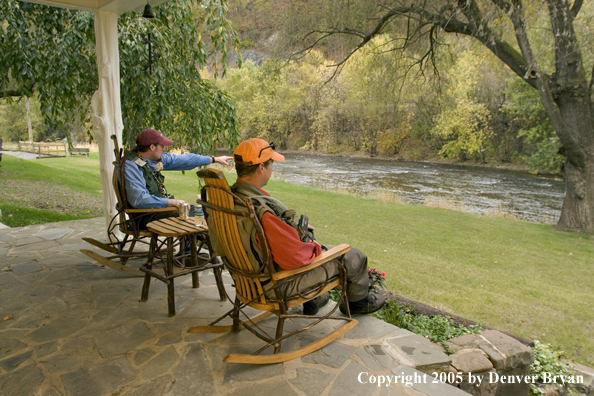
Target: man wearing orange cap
x=253 y=161
x=142 y=172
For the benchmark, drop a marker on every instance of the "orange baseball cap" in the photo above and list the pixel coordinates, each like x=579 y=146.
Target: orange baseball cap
x=255 y=151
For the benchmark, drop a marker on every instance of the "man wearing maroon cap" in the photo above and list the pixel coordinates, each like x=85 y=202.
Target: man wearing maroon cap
x=142 y=171
x=291 y=247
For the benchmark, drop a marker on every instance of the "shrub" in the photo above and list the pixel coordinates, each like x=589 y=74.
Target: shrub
x=437 y=328
x=546 y=360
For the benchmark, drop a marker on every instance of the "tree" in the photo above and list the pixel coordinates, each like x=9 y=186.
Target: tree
x=277 y=101
x=533 y=128
x=13 y=121
x=51 y=51
x=513 y=31
x=372 y=104
x=462 y=122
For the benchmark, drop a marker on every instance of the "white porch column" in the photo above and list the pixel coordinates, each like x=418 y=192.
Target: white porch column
x=107 y=113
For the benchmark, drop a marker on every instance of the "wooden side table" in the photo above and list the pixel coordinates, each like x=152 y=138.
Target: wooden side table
x=168 y=233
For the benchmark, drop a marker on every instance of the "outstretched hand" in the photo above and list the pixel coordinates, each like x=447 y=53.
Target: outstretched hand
x=223 y=160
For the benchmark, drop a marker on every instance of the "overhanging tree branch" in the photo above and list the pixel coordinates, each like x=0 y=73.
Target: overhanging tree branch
x=446 y=19
x=577 y=6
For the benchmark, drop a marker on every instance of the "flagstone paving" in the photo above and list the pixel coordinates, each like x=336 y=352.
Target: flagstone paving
x=79 y=329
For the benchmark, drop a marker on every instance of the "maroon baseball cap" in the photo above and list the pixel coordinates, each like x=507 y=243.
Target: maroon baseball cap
x=152 y=136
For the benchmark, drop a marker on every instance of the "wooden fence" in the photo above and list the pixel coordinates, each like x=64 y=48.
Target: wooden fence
x=45 y=150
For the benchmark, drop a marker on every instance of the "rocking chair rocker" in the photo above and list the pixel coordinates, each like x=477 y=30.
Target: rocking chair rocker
x=261 y=285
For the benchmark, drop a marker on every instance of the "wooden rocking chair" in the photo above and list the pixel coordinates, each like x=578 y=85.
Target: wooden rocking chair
x=126 y=221
x=261 y=285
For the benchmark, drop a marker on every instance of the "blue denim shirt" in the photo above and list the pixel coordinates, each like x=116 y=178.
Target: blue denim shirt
x=138 y=195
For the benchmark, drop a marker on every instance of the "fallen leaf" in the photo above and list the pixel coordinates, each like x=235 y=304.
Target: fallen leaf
x=7 y=317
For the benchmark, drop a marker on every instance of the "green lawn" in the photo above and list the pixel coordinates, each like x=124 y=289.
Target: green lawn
x=47 y=190
x=519 y=277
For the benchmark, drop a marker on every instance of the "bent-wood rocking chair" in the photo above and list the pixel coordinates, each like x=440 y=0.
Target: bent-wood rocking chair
x=126 y=221
x=261 y=285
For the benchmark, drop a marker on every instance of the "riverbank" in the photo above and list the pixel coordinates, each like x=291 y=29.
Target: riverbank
x=519 y=277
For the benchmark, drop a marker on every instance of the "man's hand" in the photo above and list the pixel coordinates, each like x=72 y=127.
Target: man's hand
x=175 y=202
x=223 y=160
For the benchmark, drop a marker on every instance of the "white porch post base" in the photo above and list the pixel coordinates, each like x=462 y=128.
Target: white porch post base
x=107 y=115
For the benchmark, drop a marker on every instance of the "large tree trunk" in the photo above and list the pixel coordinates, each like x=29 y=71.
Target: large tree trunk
x=572 y=98
x=573 y=101
x=571 y=115
x=578 y=206
x=565 y=95
x=571 y=93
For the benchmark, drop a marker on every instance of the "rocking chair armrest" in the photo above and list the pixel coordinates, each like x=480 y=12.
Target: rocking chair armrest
x=157 y=210
x=323 y=258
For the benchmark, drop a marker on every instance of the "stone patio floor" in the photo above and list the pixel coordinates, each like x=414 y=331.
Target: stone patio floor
x=80 y=329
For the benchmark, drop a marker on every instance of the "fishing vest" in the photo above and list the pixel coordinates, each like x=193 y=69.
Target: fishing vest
x=151 y=178
x=245 y=225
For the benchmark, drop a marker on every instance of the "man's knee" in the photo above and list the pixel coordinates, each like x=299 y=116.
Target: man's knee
x=356 y=255
x=355 y=261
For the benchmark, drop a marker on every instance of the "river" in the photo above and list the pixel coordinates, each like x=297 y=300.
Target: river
x=473 y=189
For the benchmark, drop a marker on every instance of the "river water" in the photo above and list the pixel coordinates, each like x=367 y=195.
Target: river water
x=470 y=188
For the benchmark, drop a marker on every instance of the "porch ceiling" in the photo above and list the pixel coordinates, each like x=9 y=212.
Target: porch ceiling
x=115 y=6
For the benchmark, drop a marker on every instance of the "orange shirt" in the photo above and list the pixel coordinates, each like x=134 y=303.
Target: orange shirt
x=287 y=249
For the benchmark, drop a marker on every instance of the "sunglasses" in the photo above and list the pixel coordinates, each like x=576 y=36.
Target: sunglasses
x=272 y=146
